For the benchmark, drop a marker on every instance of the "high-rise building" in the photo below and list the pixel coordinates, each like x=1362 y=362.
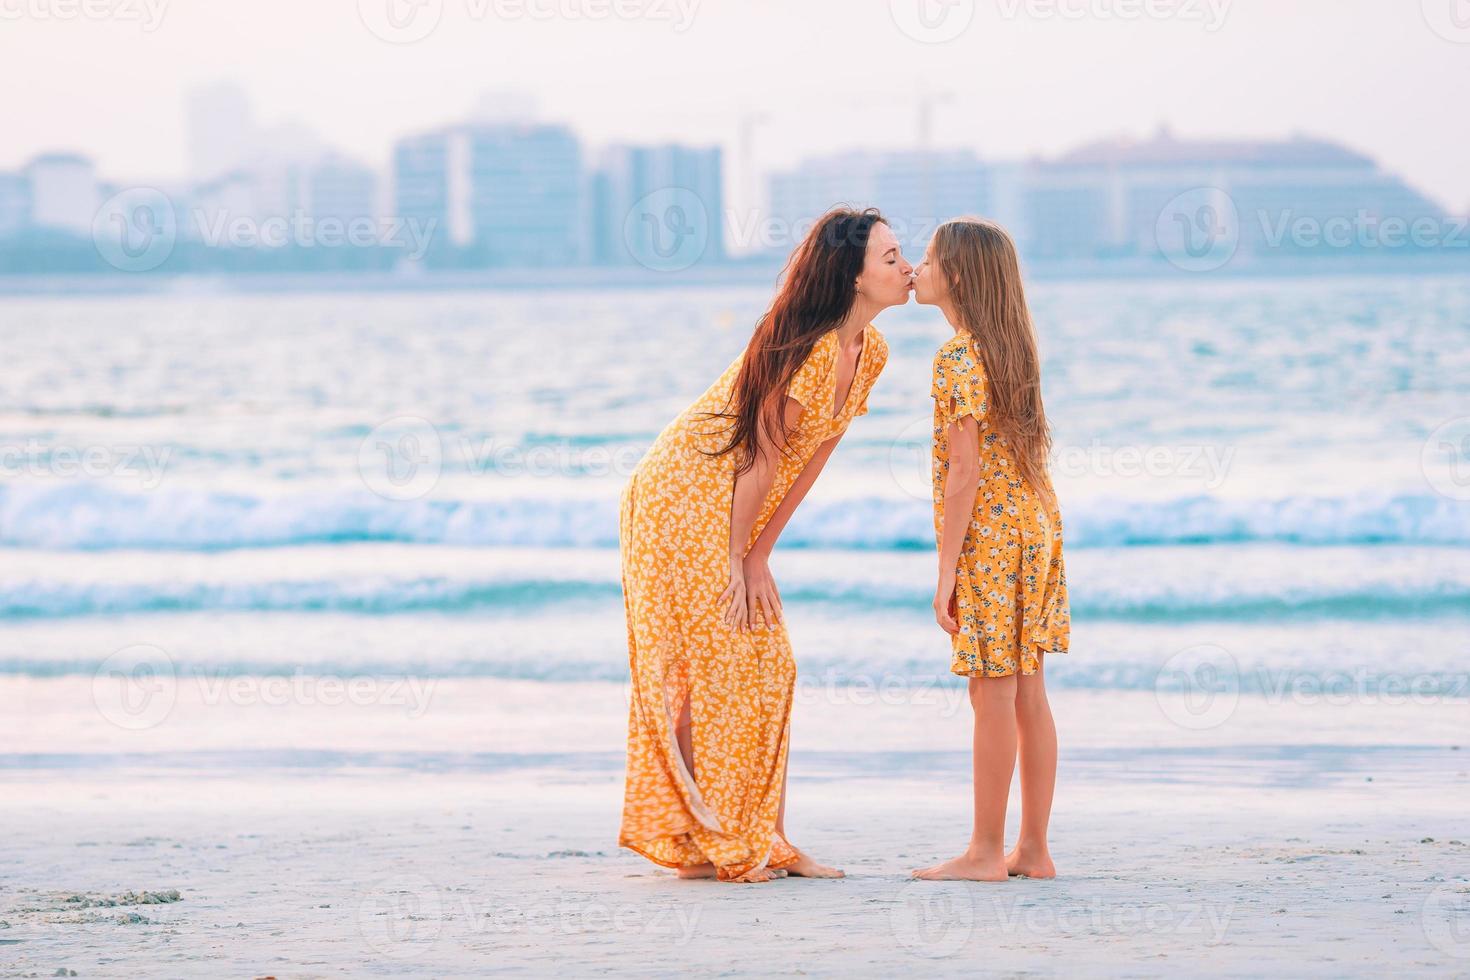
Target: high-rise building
x=63 y=193
x=644 y=198
x=422 y=171
x=227 y=210
x=15 y=204
x=915 y=191
x=1145 y=198
x=278 y=202
x=220 y=130
x=340 y=189
x=498 y=193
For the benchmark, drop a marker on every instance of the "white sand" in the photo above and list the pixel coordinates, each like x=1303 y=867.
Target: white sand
x=430 y=843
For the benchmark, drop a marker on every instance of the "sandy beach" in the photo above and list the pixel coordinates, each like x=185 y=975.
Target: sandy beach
x=248 y=838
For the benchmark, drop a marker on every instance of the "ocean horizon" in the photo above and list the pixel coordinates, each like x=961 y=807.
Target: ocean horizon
x=1246 y=467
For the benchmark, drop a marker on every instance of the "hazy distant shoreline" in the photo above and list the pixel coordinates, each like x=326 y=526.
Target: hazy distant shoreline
x=730 y=273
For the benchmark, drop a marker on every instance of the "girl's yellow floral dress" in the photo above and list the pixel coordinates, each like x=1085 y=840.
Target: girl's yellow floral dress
x=1011 y=587
x=674 y=532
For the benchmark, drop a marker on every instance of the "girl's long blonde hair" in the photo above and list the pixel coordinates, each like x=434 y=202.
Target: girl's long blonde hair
x=978 y=261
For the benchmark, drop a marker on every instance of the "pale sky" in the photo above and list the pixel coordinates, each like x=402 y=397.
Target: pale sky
x=1387 y=77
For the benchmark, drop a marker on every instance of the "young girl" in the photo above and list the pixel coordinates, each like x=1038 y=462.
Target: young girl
x=1002 y=592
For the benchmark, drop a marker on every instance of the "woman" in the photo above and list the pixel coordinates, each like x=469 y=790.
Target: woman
x=1002 y=593
x=712 y=670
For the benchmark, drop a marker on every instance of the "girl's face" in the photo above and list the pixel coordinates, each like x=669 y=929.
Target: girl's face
x=887 y=276
x=930 y=286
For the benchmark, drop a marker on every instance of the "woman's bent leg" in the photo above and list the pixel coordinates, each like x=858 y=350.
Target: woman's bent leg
x=802 y=866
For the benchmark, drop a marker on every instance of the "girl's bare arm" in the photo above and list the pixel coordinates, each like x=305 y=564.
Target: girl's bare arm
x=961 y=483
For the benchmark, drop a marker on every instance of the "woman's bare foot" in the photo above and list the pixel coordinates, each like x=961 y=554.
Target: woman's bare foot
x=805 y=867
x=755 y=876
x=705 y=870
x=966 y=867
x=708 y=870
x=1026 y=862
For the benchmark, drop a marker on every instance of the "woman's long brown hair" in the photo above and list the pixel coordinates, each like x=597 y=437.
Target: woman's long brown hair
x=978 y=261
x=818 y=289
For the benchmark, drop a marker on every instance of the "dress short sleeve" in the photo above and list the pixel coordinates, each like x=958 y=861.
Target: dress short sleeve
x=810 y=383
x=959 y=383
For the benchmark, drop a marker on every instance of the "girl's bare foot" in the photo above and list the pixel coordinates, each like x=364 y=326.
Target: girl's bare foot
x=1026 y=862
x=705 y=870
x=966 y=867
x=805 y=867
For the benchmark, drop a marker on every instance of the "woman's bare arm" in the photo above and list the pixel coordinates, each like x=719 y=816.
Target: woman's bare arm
x=766 y=542
x=751 y=488
x=763 y=597
x=961 y=483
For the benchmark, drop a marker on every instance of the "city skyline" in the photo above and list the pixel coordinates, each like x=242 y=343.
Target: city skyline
x=517 y=192
x=1022 y=79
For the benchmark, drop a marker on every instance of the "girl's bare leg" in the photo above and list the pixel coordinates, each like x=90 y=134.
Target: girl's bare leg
x=1037 y=738
x=994 y=702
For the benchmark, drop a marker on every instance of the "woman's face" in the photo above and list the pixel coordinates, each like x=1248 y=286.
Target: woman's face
x=887 y=275
x=930 y=286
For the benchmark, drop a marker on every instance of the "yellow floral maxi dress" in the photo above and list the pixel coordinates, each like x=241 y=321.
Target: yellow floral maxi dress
x=1011 y=586
x=674 y=533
